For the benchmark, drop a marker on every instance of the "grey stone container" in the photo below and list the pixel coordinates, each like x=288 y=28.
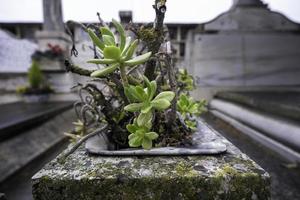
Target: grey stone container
x=204 y=142
x=228 y=175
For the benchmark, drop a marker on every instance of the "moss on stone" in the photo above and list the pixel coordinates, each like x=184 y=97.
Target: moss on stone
x=228 y=176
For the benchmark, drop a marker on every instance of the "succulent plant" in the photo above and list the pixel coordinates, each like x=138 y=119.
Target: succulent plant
x=145 y=102
x=186 y=79
x=117 y=55
x=141 y=135
x=187 y=107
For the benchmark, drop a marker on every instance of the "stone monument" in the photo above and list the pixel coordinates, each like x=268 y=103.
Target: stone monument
x=54 y=45
x=249 y=47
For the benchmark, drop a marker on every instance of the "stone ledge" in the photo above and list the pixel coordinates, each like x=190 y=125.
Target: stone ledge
x=232 y=175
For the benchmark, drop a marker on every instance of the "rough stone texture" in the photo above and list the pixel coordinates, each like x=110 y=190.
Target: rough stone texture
x=232 y=175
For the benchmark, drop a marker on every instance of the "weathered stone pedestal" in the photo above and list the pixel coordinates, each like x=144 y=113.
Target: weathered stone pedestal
x=231 y=175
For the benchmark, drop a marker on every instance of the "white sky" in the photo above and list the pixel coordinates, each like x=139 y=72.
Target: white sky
x=183 y=11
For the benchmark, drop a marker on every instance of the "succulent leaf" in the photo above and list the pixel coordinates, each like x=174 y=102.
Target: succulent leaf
x=106 y=31
x=144 y=118
x=121 y=31
x=105 y=71
x=138 y=60
x=160 y=104
x=167 y=95
x=151 y=135
x=95 y=39
x=108 y=40
x=111 y=52
x=131 y=50
x=147 y=143
x=102 y=61
x=134 y=107
x=128 y=43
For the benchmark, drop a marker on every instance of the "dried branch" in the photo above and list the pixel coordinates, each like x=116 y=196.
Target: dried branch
x=160 y=9
x=68 y=152
x=76 y=69
x=172 y=80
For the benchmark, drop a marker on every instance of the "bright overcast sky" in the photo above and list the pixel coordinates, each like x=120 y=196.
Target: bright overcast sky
x=187 y=11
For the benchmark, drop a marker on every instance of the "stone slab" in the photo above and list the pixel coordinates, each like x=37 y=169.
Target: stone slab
x=287 y=103
x=232 y=175
x=18 y=117
x=18 y=151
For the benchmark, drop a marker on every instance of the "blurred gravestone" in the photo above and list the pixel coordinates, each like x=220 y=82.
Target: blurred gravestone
x=54 y=36
x=15 y=59
x=53 y=20
x=249 y=46
x=15 y=53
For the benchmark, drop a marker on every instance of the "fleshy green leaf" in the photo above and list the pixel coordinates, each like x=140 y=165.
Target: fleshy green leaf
x=95 y=39
x=111 y=52
x=132 y=94
x=191 y=124
x=141 y=92
x=138 y=60
x=144 y=118
x=134 y=107
x=151 y=135
x=184 y=99
x=167 y=95
x=193 y=108
x=131 y=49
x=131 y=128
x=105 y=71
x=128 y=43
x=160 y=104
x=121 y=31
x=148 y=125
x=153 y=86
x=102 y=61
x=147 y=143
x=135 y=141
x=146 y=109
x=129 y=94
x=108 y=40
x=131 y=136
x=106 y=31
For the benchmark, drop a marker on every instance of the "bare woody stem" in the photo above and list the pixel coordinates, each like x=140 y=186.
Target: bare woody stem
x=123 y=75
x=68 y=152
x=160 y=9
x=173 y=85
x=76 y=69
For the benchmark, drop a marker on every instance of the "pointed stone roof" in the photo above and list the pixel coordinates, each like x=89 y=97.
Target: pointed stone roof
x=251 y=15
x=238 y=3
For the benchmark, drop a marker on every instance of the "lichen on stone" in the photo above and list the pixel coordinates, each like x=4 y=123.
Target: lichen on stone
x=232 y=175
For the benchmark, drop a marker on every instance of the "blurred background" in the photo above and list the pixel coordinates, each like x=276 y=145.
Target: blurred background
x=244 y=56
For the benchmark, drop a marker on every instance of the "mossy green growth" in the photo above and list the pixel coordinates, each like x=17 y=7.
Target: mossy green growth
x=35 y=76
x=227 y=176
x=150 y=36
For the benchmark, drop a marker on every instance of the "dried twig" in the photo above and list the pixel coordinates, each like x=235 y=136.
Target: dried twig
x=76 y=69
x=173 y=85
x=68 y=152
x=160 y=9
